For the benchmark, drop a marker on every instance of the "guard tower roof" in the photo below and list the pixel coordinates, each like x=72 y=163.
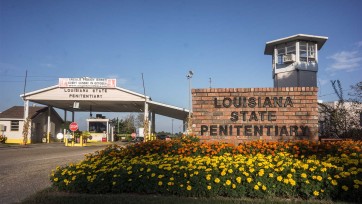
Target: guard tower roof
x=320 y=40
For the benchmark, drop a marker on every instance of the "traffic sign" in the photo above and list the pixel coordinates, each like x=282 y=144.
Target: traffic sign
x=73 y=126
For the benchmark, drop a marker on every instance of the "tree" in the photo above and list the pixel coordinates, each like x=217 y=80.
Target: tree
x=340 y=119
x=26 y=127
x=129 y=124
x=356 y=92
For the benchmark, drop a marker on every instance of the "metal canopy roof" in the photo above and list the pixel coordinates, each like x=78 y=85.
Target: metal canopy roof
x=320 y=40
x=101 y=100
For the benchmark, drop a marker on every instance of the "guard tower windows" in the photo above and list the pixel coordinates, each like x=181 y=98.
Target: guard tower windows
x=286 y=53
x=307 y=51
x=295 y=60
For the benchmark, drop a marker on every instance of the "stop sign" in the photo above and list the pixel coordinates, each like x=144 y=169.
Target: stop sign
x=73 y=126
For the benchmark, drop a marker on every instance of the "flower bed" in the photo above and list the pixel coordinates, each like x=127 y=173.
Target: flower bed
x=186 y=167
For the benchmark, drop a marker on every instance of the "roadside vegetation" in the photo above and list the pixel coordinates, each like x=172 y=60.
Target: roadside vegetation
x=188 y=168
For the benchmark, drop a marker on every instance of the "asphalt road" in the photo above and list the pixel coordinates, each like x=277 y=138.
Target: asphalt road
x=25 y=170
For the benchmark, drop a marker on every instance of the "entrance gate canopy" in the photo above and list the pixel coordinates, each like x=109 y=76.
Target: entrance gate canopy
x=101 y=99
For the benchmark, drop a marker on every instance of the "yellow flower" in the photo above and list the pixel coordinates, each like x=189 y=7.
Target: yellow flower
x=208 y=187
x=114 y=183
x=316 y=193
x=271 y=175
x=289 y=175
x=249 y=180
x=217 y=180
x=286 y=181
x=228 y=182
x=292 y=182
x=303 y=175
x=319 y=178
x=56 y=179
x=238 y=179
x=233 y=186
x=279 y=178
x=345 y=188
x=356 y=186
x=334 y=182
x=153 y=175
x=256 y=187
x=307 y=182
x=189 y=188
x=208 y=177
x=263 y=187
x=223 y=173
x=230 y=171
x=160 y=183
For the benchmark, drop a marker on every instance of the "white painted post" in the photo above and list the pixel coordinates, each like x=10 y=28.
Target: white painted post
x=48 y=125
x=297 y=52
x=26 y=109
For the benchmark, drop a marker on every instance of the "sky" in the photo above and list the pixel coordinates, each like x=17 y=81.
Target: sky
x=221 y=40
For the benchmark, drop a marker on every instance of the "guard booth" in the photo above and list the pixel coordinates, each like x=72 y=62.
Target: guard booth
x=100 y=129
x=295 y=60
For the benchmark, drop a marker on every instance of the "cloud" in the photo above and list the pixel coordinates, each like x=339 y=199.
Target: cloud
x=345 y=61
x=359 y=44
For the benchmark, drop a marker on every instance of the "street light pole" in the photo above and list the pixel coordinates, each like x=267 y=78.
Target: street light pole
x=189 y=76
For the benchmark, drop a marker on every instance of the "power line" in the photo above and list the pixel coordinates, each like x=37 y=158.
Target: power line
x=9 y=81
x=33 y=76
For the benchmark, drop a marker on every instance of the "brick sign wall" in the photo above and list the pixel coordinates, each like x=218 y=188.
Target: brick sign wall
x=238 y=114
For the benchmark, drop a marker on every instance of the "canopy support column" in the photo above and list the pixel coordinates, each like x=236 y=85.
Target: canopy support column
x=146 y=121
x=153 y=127
x=65 y=116
x=184 y=123
x=26 y=109
x=48 y=125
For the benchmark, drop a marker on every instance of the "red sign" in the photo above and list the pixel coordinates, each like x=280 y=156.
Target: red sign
x=73 y=126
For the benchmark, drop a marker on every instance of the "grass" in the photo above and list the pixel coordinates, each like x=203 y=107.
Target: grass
x=51 y=195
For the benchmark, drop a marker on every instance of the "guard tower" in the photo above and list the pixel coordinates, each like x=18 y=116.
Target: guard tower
x=295 y=60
